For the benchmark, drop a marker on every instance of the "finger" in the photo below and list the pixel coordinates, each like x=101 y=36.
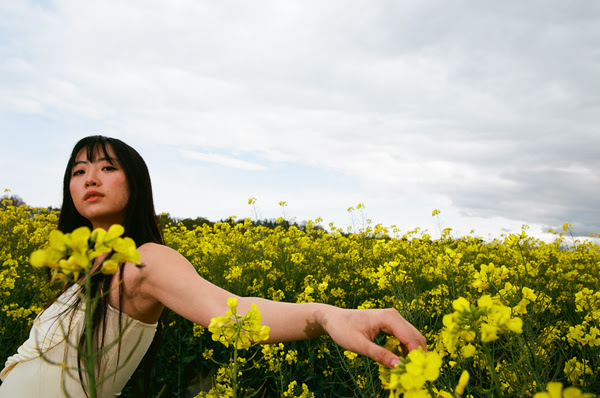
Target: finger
x=382 y=355
x=405 y=332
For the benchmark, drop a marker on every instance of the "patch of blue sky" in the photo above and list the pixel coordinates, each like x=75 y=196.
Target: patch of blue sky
x=48 y=5
x=54 y=129
x=32 y=167
x=274 y=175
x=188 y=187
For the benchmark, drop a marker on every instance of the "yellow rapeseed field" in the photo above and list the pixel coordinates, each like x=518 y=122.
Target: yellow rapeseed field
x=514 y=317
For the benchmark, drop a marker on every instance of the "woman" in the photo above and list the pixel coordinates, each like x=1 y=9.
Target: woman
x=107 y=182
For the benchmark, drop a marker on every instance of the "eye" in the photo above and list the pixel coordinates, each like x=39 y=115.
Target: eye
x=77 y=172
x=109 y=168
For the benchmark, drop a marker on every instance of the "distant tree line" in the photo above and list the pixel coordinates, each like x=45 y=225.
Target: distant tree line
x=15 y=200
x=190 y=223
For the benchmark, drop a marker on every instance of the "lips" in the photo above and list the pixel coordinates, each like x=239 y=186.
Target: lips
x=91 y=196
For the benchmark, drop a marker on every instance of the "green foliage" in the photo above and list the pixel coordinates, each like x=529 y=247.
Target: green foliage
x=372 y=267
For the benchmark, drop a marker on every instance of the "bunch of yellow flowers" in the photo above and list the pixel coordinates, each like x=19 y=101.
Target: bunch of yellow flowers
x=75 y=252
x=482 y=322
x=555 y=390
x=410 y=377
x=240 y=331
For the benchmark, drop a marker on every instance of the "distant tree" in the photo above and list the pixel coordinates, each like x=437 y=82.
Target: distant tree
x=164 y=219
x=191 y=223
x=196 y=222
x=16 y=200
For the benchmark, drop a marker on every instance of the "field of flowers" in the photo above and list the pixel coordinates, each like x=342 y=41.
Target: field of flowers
x=516 y=314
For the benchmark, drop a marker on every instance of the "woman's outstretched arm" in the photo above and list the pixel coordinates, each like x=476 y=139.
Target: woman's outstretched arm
x=171 y=280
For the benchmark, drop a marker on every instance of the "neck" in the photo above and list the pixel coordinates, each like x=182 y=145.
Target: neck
x=105 y=223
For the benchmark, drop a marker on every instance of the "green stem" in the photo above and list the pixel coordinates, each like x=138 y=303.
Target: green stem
x=235 y=355
x=430 y=390
x=89 y=357
x=490 y=362
x=238 y=331
x=281 y=390
x=528 y=356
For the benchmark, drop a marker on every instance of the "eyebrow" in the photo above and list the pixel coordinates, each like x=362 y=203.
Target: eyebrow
x=110 y=160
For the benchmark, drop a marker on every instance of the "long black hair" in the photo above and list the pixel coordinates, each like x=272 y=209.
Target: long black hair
x=140 y=224
x=140 y=218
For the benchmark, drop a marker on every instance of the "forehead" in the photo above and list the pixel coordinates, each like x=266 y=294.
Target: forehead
x=95 y=153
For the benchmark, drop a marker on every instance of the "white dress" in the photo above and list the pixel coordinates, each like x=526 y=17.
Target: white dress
x=28 y=374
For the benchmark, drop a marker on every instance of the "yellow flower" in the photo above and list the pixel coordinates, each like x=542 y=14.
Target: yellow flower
x=58 y=241
x=417 y=394
x=462 y=383
x=468 y=351
x=460 y=304
x=410 y=376
x=79 y=239
x=426 y=363
x=488 y=332
x=69 y=266
x=75 y=252
x=40 y=258
x=109 y=267
x=125 y=250
x=232 y=303
x=555 y=390
x=241 y=331
x=514 y=325
x=114 y=232
x=528 y=294
x=485 y=302
x=575 y=369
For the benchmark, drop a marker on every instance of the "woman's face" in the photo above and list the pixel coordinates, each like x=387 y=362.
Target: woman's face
x=99 y=188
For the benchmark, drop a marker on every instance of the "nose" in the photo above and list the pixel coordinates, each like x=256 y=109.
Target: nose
x=91 y=180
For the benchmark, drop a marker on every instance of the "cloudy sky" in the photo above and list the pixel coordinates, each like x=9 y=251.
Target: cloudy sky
x=485 y=110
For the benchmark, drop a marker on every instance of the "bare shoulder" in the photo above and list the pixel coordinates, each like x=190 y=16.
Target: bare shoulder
x=155 y=252
x=142 y=299
x=167 y=278
x=157 y=259
x=154 y=248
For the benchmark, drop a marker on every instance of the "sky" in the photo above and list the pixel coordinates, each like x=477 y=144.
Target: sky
x=485 y=110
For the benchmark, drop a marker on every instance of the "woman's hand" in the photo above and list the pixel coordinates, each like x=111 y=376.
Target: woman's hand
x=355 y=331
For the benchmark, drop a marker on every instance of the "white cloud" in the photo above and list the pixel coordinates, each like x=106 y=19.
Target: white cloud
x=221 y=160
x=491 y=108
